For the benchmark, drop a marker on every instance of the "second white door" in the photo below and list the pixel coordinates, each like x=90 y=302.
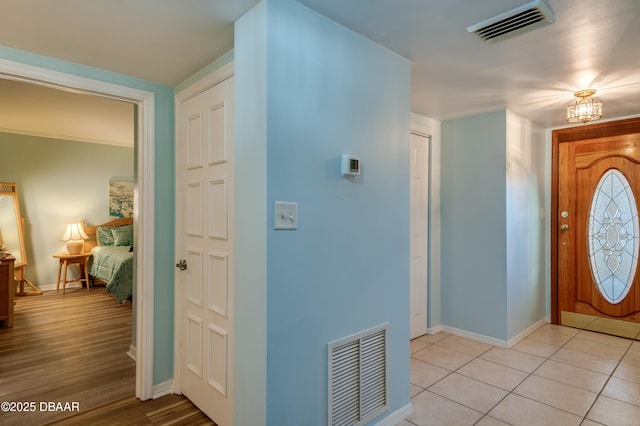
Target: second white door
x=419 y=228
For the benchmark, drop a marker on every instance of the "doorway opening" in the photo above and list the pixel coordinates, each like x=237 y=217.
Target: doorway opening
x=144 y=199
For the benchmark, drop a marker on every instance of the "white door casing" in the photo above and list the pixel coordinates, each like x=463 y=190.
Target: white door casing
x=419 y=229
x=144 y=198
x=204 y=238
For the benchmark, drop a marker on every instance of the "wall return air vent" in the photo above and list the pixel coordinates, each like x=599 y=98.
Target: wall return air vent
x=517 y=21
x=358 y=377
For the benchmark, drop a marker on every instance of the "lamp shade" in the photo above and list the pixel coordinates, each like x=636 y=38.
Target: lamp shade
x=75 y=236
x=74 y=232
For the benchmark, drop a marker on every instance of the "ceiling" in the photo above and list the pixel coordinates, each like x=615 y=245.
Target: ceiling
x=28 y=109
x=592 y=44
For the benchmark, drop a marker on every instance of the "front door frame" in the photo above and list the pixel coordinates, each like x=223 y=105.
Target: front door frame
x=571 y=134
x=144 y=199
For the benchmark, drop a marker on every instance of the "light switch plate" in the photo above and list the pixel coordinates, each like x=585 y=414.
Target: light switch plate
x=286 y=215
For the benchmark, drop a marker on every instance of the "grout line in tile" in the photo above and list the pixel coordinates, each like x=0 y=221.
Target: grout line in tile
x=583 y=418
x=599 y=393
x=487 y=415
x=471 y=378
x=569 y=384
x=540 y=402
x=607 y=382
x=422 y=390
x=474 y=358
x=455 y=402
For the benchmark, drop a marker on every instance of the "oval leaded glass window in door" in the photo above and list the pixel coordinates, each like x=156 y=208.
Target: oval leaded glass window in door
x=613 y=236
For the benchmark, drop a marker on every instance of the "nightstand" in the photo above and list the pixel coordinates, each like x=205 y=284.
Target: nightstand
x=66 y=259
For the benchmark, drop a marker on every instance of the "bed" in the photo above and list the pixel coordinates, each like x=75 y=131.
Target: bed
x=111 y=247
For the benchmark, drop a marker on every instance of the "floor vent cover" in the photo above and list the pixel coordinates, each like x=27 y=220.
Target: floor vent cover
x=358 y=385
x=521 y=19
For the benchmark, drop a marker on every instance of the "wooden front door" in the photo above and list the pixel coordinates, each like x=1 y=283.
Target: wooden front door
x=595 y=226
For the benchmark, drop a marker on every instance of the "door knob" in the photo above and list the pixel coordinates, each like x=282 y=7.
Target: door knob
x=564 y=227
x=182 y=265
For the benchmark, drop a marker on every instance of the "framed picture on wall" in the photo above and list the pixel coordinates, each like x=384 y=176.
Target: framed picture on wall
x=121 y=198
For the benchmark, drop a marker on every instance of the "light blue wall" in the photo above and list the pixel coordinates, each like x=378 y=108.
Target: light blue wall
x=68 y=182
x=493 y=238
x=308 y=90
x=346 y=268
x=164 y=195
x=525 y=229
x=474 y=232
x=250 y=227
x=330 y=91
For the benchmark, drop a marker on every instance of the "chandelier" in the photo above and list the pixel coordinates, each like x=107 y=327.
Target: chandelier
x=585 y=109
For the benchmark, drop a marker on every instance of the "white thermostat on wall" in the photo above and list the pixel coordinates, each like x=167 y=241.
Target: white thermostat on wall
x=350 y=165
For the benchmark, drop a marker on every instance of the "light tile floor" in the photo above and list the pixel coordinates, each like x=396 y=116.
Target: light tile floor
x=556 y=376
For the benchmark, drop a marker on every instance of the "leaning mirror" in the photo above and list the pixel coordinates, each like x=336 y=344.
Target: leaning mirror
x=11 y=223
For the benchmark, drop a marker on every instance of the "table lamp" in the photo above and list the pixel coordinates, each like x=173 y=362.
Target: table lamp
x=75 y=236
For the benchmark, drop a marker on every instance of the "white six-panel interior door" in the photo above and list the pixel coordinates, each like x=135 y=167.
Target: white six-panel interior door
x=204 y=220
x=419 y=226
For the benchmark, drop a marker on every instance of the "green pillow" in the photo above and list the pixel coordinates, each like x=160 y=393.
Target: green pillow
x=123 y=235
x=104 y=236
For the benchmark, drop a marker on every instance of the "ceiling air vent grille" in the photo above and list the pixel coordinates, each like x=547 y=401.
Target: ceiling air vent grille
x=521 y=19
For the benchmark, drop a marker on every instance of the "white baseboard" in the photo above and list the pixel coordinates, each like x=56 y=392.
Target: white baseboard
x=524 y=333
x=434 y=330
x=52 y=287
x=162 y=389
x=475 y=336
x=492 y=340
x=397 y=416
x=132 y=352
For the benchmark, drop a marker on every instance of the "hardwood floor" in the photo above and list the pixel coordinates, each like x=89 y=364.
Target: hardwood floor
x=168 y=410
x=73 y=349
